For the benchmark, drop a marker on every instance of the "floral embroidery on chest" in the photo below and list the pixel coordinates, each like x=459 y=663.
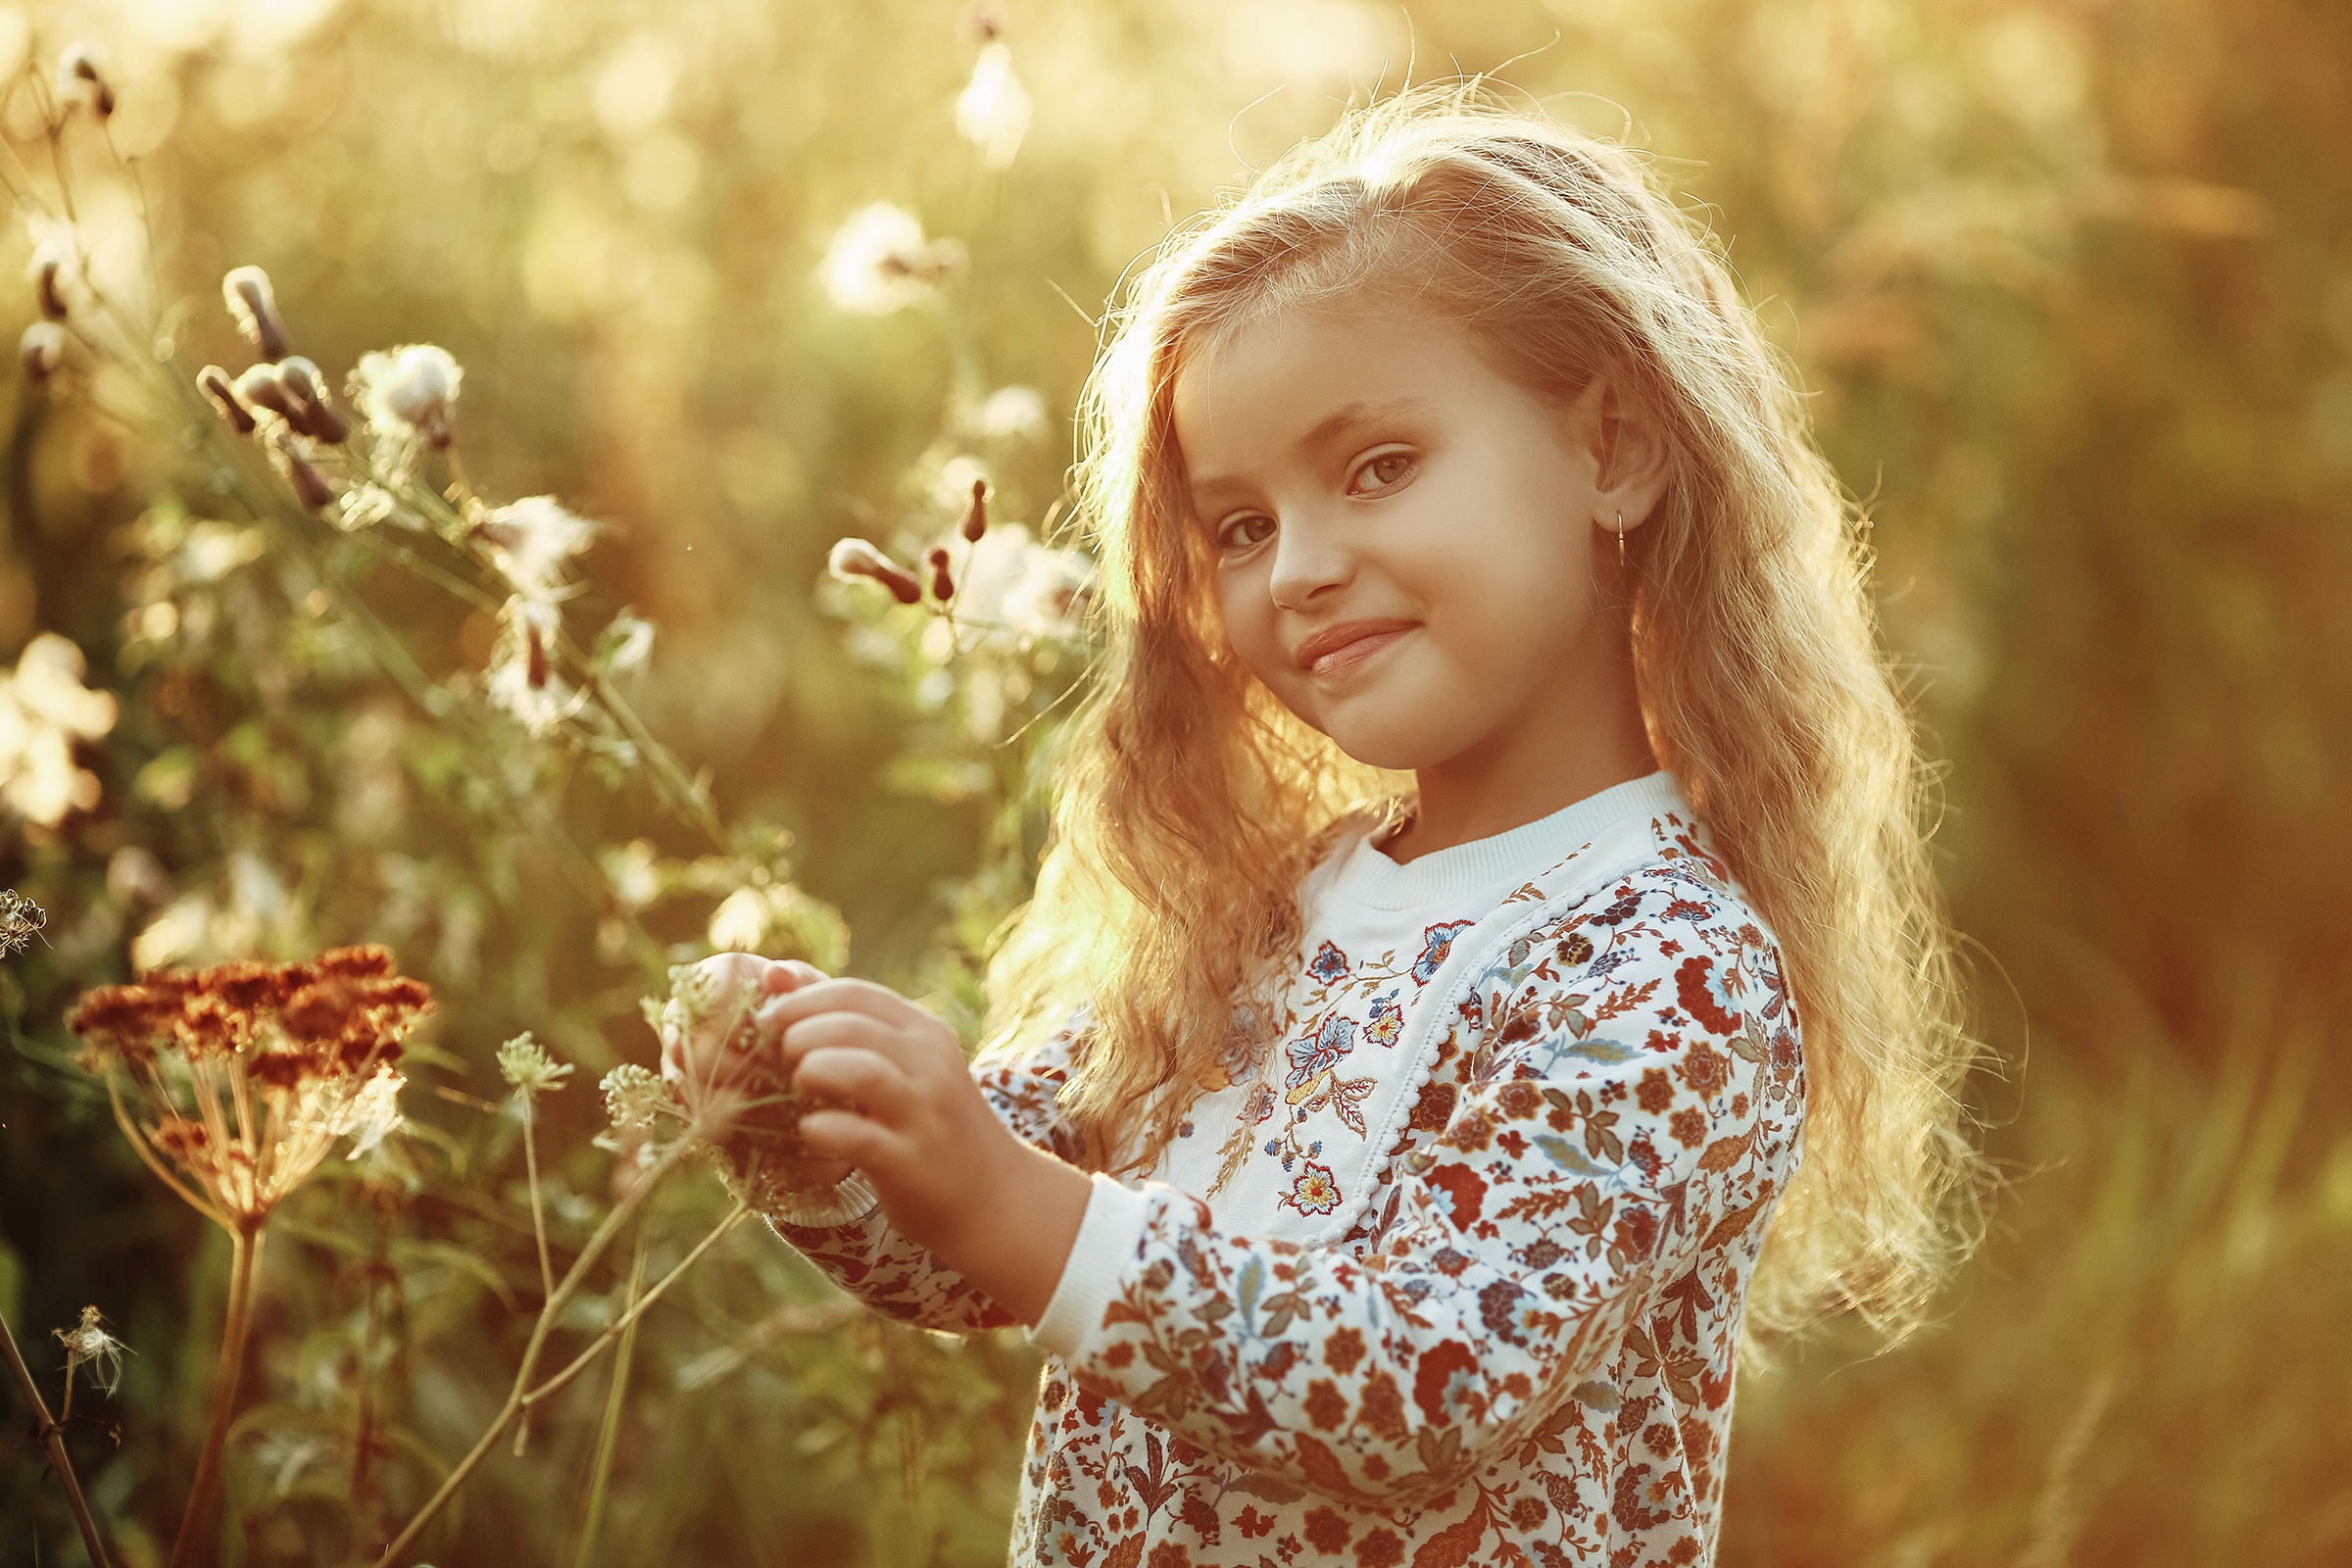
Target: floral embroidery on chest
x=1299 y=1128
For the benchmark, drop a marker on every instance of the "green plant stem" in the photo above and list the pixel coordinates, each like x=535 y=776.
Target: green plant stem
x=53 y=1444
x=628 y=1320
x=607 y=1435
x=530 y=1162
x=196 y=1518
x=547 y=1313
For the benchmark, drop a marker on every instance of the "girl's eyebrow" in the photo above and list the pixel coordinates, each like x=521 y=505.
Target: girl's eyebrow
x=1326 y=430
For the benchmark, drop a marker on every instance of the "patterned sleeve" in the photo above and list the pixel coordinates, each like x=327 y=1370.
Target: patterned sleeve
x=893 y=1275
x=1628 y=1110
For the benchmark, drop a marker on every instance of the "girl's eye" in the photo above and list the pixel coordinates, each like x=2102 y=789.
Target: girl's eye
x=1383 y=472
x=1228 y=534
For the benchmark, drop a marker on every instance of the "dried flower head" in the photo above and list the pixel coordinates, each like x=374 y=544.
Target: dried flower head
x=20 y=921
x=410 y=396
x=87 y=1343
x=42 y=349
x=878 y=261
x=525 y=1065
x=233 y=1083
x=852 y=559
x=82 y=79
x=942 y=582
x=257 y=387
x=532 y=539
x=314 y=413
x=976 y=512
x=250 y=299
x=218 y=386
x=635 y=1094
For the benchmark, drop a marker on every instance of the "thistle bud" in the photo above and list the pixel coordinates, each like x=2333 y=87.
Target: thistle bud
x=42 y=348
x=976 y=512
x=310 y=485
x=246 y=290
x=260 y=388
x=306 y=389
x=859 y=557
x=943 y=585
x=224 y=393
x=82 y=79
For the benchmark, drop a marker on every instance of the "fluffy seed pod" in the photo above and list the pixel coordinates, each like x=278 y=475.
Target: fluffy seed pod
x=247 y=292
x=310 y=485
x=535 y=669
x=260 y=388
x=413 y=389
x=976 y=512
x=42 y=348
x=82 y=79
x=306 y=390
x=859 y=557
x=943 y=584
x=224 y=393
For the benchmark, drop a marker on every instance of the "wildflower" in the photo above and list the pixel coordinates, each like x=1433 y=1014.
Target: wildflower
x=624 y=644
x=306 y=389
x=976 y=512
x=82 y=79
x=51 y=265
x=268 y=1065
x=531 y=539
x=21 y=919
x=42 y=349
x=943 y=585
x=521 y=677
x=635 y=1094
x=879 y=262
x=247 y=293
x=525 y=1064
x=409 y=397
x=259 y=387
x=44 y=708
x=223 y=391
x=852 y=559
x=992 y=113
x=87 y=1343
x=1050 y=595
x=1013 y=412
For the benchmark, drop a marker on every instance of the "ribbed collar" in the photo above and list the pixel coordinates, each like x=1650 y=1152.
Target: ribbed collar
x=1370 y=877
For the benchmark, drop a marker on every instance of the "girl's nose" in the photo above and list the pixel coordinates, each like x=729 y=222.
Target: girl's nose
x=1311 y=554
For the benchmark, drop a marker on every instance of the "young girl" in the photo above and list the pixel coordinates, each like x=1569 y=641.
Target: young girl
x=1390 y=1180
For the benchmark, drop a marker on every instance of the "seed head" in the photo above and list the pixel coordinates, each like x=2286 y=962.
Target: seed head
x=943 y=584
x=531 y=539
x=247 y=293
x=852 y=559
x=223 y=391
x=50 y=266
x=634 y=1095
x=306 y=390
x=42 y=349
x=525 y=1064
x=82 y=79
x=259 y=387
x=87 y=1343
x=410 y=393
x=976 y=512
x=21 y=919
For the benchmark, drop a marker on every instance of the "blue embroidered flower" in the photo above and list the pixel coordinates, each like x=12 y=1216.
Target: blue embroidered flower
x=1436 y=942
x=1330 y=963
x=1388 y=1021
x=1319 y=1053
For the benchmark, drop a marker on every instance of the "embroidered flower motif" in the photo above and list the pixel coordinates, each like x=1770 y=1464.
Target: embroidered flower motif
x=1314 y=1192
x=1436 y=942
x=1690 y=909
x=1317 y=1054
x=1388 y=1021
x=1330 y=963
x=1709 y=1000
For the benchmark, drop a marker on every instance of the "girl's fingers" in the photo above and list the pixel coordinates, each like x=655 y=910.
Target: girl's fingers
x=836 y=993
x=844 y=1135
x=873 y=1083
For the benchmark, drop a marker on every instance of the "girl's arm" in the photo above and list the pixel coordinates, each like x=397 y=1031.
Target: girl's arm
x=1632 y=1111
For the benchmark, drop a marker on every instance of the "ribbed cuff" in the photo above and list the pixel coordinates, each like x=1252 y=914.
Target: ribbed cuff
x=1108 y=1238
x=844 y=1203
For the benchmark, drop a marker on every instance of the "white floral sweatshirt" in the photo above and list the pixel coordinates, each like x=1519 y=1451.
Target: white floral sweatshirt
x=1454 y=1273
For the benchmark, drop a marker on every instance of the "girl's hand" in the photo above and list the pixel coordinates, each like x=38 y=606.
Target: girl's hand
x=953 y=1178
x=706 y=1059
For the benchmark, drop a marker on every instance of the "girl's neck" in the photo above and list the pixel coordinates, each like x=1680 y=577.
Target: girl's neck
x=1582 y=740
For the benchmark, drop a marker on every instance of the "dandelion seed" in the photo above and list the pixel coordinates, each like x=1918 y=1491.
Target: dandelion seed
x=525 y=1064
x=42 y=349
x=530 y=541
x=943 y=585
x=82 y=79
x=87 y=1343
x=852 y=559
x=635 y=1094
x=20 y=921
x=223 y=391
x=878 y=261
x=992 y=113
x=247 y=293
x=976 y=512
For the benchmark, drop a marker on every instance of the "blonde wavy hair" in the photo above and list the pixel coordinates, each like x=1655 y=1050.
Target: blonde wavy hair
x=1188 y=802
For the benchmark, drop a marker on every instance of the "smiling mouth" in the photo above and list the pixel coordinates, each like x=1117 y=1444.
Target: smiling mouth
x=1346 y=657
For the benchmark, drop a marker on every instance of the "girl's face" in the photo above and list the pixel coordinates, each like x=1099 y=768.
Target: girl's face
x=1371 y=473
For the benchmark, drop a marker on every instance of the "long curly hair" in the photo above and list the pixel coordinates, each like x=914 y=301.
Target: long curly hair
x=1189 y=802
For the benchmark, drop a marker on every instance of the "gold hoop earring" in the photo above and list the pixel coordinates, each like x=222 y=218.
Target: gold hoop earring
x=1621 y=538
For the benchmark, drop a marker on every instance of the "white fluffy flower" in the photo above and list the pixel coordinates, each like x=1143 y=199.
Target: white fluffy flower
x=1029 y=589
x=409 y=397
x=523 y=678
x=532 y=539
x=635 y=1094
x=374 y=1114
x=44 y=707
x=87 y=1343
x=879 y=262
x=992 y=113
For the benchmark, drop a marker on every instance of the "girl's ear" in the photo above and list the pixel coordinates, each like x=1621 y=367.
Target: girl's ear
x=1629 y=456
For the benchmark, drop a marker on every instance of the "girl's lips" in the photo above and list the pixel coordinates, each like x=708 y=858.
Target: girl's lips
x=1346 y=657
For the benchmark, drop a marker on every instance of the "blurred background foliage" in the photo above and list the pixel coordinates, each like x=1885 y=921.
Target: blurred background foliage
x=2068 y=283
